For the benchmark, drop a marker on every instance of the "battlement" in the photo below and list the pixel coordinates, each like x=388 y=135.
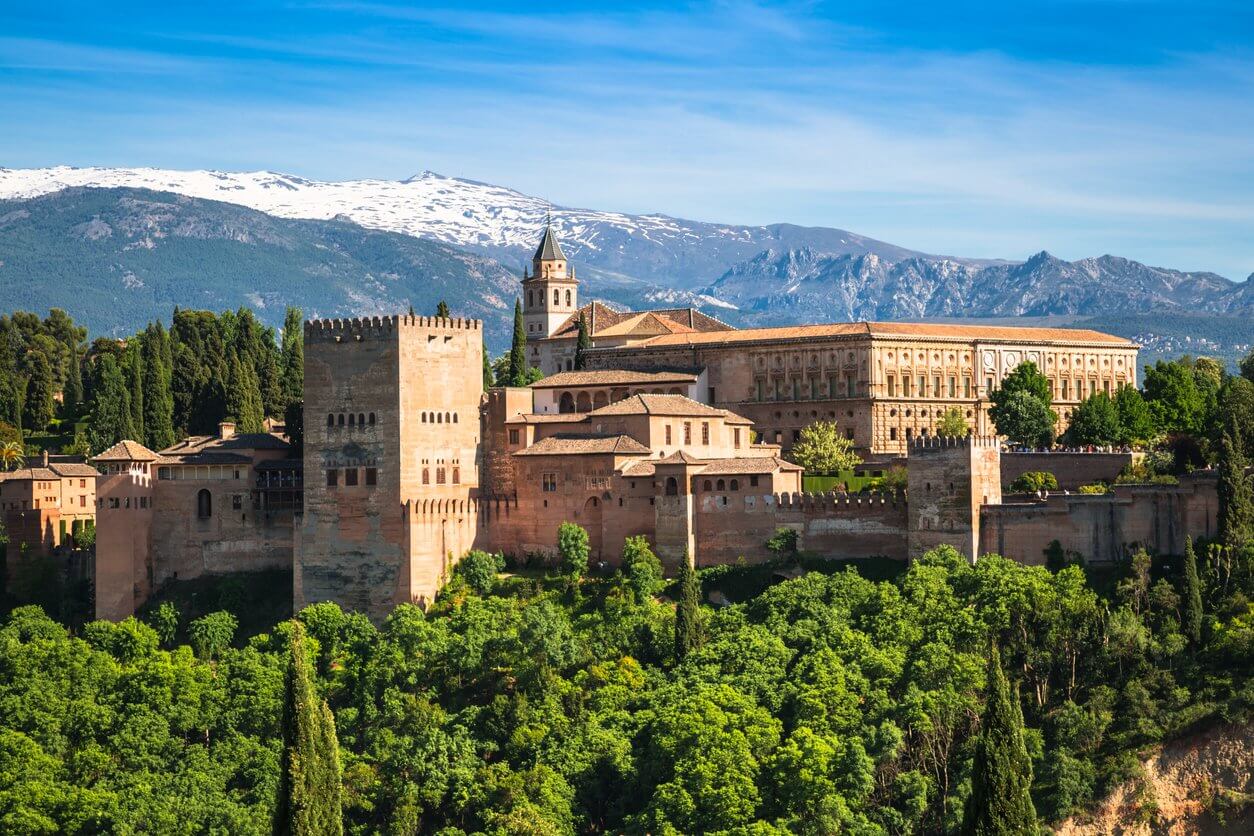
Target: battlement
x=383 y=327
x=833 y=502
x=938 y=443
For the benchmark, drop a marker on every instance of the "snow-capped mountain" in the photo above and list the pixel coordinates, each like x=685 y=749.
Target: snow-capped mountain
x=490 y=220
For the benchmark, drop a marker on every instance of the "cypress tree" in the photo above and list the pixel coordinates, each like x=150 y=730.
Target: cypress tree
x=309 y=790
x=687 y=613
x=72 y=393
x=158 y=402
x=133 y=363
x=294 y=355
x=40 y=405
x=488 y=382
x=111 y=411
x=243 y=397
x=1192 y=616
x=1001 y=776
x=582 y=344
x=441 y=310
x=1236 y=498
x=518 y=349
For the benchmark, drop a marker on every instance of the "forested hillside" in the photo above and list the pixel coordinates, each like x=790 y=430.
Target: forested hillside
x=555 y=703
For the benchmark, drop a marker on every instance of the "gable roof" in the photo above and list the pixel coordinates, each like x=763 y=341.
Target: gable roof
x=678 y=406
x=582 y=445
x=604 y=321
x=932 y=330
x=126 y=451
x=613 y=377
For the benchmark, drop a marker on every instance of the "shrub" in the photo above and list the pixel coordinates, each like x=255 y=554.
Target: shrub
x=573 y=546
x=479 y=569
x=1095 y=489
x=1034 y=481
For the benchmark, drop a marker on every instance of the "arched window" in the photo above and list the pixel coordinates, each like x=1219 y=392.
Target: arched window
x=426 y=476
x=454 y=417
x=424 y=417
x=204 y=504
x=330 y=420
x=372 y=419
x=722 y=486
x=735 y=484
x=557 y=297
x=568 y=298
x=446 y=418
x=361 y=419
x=583 y=403
x=705 y=486
x=340 y=421
x=530 y=302
x=439 y=476
x=457 y=476
x=439 y=419
x=352 y=419
x=672 y=487
x=566 y=403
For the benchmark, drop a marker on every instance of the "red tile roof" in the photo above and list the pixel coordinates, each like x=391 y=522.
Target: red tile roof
x=928 y=330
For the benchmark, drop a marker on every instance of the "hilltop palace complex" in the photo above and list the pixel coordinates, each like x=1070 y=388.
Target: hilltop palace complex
x=677 y=429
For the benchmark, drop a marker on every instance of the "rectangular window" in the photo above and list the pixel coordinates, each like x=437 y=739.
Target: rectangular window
x=372 y=476
x=1066 y=390
x=936 y=390
x=988 y=385
x=333 y=478
x=849 y=433
x=892 y=433
x=761 y=387
x=796 y=436
x=953 y=387
x=705 y=433
x=905 y=385
x=237 y=502
x=753 y=481
x=966 y=387
x=513 y=436
x=892 y=386
x=668 y=435
x=736 y=437
x=548 y=482
x=687 y=433
x=922 y=390
x=350 y=477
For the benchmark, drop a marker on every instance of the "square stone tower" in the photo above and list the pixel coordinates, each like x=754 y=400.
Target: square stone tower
x=948 y=479
x=551 y=292
x=392 y=437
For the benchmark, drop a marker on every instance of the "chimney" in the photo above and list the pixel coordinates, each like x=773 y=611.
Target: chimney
x=226 y=430
x=45 y=458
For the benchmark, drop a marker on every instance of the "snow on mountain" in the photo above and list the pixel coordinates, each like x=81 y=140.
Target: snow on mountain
x=491 y=220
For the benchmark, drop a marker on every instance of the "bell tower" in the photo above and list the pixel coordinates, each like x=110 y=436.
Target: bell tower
x=550 y=292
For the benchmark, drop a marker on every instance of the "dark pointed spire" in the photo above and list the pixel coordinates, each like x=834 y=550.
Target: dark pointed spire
x=549 y=249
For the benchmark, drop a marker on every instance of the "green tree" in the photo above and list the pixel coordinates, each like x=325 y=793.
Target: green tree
x=489 y=378
x=310 y=787
x=1175 y=401
x=479 y=569
x=441 y=310
x=1025 y=419
x=133 y=368
x=951 y=424
x=1236 y=497
x=518 y=349
x=213 y=633
x=688 y=610
x=1136 y=423
x=158 y=402
x=822 y=449
x=72 y=393
x=243 y=397
x=1034 y=481
x=574 y=549
x=641 y=567
x=1001 y=775
x=39 y=406
x=583 y=342
x=293 y=375
x=1094 y=421
x=111 y=410
x=783 y=542
x=165 y=621
x=1191 y=615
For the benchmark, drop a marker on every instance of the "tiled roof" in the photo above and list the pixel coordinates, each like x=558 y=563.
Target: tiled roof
x=547 y=418
x=669 y=405
x=69 y=469
x=240 y=441
x=549 y=249
x=601 y=319
x=678 y=457
x=761 y=464
x=931 y=330
x=204 y=457
x=613 y=377
x=29 y=473
x=126 y=451
x=578 y=445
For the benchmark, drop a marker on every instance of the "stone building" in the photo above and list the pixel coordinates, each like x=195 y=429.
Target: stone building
x=392 y=458
x=44 y=506
x=884 y=383
x=206 y=505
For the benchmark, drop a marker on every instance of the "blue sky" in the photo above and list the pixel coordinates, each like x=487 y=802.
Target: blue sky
x=980 y=129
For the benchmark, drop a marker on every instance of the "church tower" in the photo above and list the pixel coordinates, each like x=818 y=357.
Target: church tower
x=550 y=292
